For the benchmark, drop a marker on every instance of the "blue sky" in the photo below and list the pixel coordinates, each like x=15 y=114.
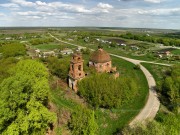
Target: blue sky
x=104 y=13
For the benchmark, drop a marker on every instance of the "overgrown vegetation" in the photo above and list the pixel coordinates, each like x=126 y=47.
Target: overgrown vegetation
x=5 y=66
x=168 y=84
x=167 y=119
x=102 y=90
x=58 y=67
x=171 y=89
x=154 y=39
x=38 y=41
x=13 y=50
x=165 y=124
x=83 y=122
x=24 y=97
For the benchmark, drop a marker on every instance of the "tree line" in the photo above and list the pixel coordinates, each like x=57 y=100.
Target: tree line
x=38 y=41
x=170 y=89
x=154 y=39
x=12 y=49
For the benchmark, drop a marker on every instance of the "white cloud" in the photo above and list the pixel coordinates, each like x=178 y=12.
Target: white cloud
x=35 y=13
x=40 y=3
x=62 y=7
x=33 y=17
x=64 y=17
x=88 y=13
x=28 y=13
x=23 y=3
x=68 y=7
x=160 y=12
x=11 y=6
x=51 y=6
x=154 y=1
x=104 y=5
x=1 y=14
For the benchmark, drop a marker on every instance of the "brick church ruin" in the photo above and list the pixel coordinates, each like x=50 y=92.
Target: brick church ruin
x=76 y=72
x=100 y=60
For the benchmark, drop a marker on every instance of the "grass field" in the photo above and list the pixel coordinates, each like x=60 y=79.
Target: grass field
x=176 y=52
x=52 y=46
x=47 y=46
x=157 y=71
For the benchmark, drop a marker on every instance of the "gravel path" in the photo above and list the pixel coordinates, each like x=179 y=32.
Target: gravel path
x=152 y=105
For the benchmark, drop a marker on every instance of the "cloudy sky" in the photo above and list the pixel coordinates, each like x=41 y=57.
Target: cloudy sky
x=103 y=13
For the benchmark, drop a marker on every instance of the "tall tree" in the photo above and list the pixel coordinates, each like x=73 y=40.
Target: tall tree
x=13 y=49
x=83 y=122
x=171 y=87
x=24 y=96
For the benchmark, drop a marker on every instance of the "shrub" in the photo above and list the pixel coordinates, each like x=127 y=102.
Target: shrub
x=102 y=90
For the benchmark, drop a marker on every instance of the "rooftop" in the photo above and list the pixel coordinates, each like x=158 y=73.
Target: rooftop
x=100 y=56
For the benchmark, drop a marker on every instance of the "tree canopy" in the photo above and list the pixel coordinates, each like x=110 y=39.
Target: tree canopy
x=165 y=124
x=13 y=49
x=24 y=97
x=58 y=67
x=154 y=39
x=103 y=90
x=171 y=87
x=8 y=63
x=83 y=122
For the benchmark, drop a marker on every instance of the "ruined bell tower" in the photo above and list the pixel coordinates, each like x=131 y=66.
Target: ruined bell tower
x=76 y=72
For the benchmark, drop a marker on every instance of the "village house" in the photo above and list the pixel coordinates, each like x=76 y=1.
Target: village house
x=80 y=48
x=66 y=51
x=8 y=38
x=38 y=53
x=32 y=53
x=123 y=44
x=134 y=48
x=162 y=54
x=48 y=54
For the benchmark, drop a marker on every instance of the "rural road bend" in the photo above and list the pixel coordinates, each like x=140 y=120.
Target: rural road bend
x=152 y=105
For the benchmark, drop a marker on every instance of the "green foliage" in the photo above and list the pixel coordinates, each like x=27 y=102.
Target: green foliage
x=162 y=40
x=24 y=96
x=164 y=125
x=13 y=49
x=170 y=122
x=5 y=65
x=152 y=128
x=58 y=67
x=137 y=67
x=50 y=46
x=86 y=51
x=102 y=90
x=171 y=87
x=38 y=41
x=83 y=122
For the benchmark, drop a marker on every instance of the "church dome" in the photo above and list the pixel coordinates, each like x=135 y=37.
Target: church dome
x=100 y=56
